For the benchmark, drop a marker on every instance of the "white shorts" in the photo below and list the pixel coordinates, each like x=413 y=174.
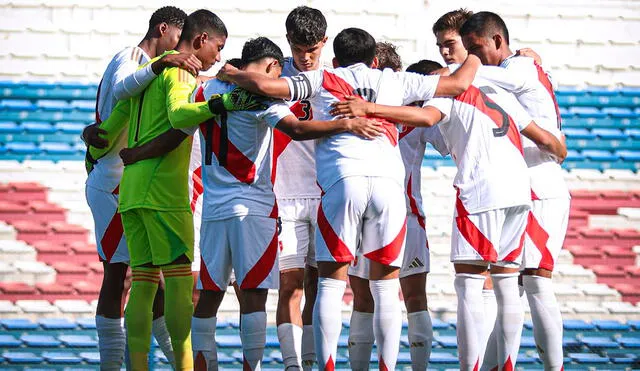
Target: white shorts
x=493 y=236
x=416 y=253
x=546 y=228
x=299 y=218
x=197 y=220
x=110 y=241
x=367 y=209
x=246 y=244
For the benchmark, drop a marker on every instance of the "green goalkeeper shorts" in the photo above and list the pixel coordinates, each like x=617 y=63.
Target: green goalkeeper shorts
x=157 y=237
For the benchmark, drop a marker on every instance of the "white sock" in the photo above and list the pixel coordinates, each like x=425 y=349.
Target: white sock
x=327 y=320
x=547 y=320
x=387 y=320
x=308 y=348
x=508 y=328
x=253 y=333
x=420 y=339
x=361 y=340
x=160 y=332
x=203 y=343
x=290 y=337
x=490 y=307
x=111 y=342
x=470 y=324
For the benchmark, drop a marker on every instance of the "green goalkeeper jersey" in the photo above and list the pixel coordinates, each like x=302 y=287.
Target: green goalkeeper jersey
x=159 y=183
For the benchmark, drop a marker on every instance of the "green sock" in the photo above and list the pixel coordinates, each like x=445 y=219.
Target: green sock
x=178 y=310
x=138 y=315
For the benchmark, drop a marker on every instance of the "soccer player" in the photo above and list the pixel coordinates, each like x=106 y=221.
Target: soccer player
x=121 y=80
x=480 y=128
x=239 y=228
x=346 y=165
x=485 y=34
x=154 y=200
x=298 y=198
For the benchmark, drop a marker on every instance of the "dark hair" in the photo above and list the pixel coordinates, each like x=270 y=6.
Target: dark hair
x=169 y=15
x=200 y=21
x=388 y=57
x=354 y=45
x=452 y=21
x=485 y=24
x=261 y=47
x=235 y=62
x=424 y=67
x=306 y=26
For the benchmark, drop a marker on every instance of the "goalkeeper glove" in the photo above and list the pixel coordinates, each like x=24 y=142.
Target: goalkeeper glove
x=236 y=100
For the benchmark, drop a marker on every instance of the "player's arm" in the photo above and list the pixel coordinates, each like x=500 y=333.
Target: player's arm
x=130 y=80
x=546 y=141
x=459 y=81
x=112 y=126
x=255 y=82
x=409 y=115
x=313 y=129
x=162 y=144
x=182 y=114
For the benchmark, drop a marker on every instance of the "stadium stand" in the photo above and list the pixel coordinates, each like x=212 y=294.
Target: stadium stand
x=49 y=274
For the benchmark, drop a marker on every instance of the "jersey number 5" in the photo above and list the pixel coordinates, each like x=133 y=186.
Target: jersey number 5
x=504 y=129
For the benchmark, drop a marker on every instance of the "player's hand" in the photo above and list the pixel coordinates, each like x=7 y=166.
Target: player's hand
x=225 y=71
x=91 y=136
x=363 y=127
x=186 y=61
x=237 y=100
x=352 y=107
x=129 y=156
x=528 y=52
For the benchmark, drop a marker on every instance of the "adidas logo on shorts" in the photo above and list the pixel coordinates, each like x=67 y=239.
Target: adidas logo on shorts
x=416 y=263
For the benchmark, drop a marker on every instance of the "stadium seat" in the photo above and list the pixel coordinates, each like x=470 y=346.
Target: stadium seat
x=40 y=341
x=68 y=127
x=78 y=341
x=578 y=133
x=53 y=105
x=577 y=325
x=597 y=155
x=599 y=342
x=38 y=127
x=17 y=105
x=609 y=134
x=588 y=358
x=86 y=323
x=61 y=358
x=57 y=324
x=22 y=148
x=19 y=358
x=588 y=112
x=92 y=358
x=18 y=324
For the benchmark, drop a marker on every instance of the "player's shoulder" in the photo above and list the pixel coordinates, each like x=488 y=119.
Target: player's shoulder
x=518 y=61
x=131 y=54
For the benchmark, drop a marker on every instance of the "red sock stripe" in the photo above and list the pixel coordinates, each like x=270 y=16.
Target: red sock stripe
x=330 y=366
x=477 y=365
x=508 y=366
x=145 y=280
x=381 y=365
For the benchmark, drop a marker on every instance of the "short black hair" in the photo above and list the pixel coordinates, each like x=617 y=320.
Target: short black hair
x=452 y=21
x=388 y=56
x=202 y=20
x=485 y=24
x=354 y=45
x=261 y=47
x=169 y=15
x=424 y=67
x=235 y=62
x=306 y=26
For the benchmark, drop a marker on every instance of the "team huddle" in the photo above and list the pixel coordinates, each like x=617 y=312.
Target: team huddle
x=286 y=174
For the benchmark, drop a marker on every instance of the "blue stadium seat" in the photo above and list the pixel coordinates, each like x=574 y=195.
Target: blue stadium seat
x=265 y=359
x=610 y=134
x=633 y=92
x=623 y=101
x=635 y=324
x=86 y=323
x=9 y=341
x=92 y=358
x=9 y=127
x=272 y=341
x=602 y=92
x=633 y=133
x=622 y=358
x=80 y=341
x=225 y=358
x=83 y=105
x=57 y=324
x=17 y=105
x=524 y=359
x=610 y=325
x=438 y=324
x=228 y=341
x=599 y=342
x=22 y=358
x=573 y=155
x=588 y=358
x=446 y=341
x=527 y=342
x=570 y=90
x=55 y=148
x=578 y=133
x=598 y=155
x=431 y=154
x=222 y=324
x=629 y=155
x=22 y=148
x=565 y=113
x=69 y=127
x=53 y=105
x=629 y=342
x=442 y=357
x=38 y=127
x=40 y=341
x=619 y=112
x=620 y=165
x=587 y=112
x=61 y=358
x=22 y=324
x=577 y=325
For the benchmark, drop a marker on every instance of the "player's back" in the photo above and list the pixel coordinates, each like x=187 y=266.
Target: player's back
x=539 y=101
x=346 y=154
x=106 y=174
x=482 y=134
x=241 y=183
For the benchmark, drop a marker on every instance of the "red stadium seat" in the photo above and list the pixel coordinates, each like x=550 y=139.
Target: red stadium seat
x=25 y=192
x=30 y=232
x=64 y=232
x=585 y=255
x=87 y=290
x=17 y=291
x=618 y=256
x=46 y=212
x=627 y=237
x=4 y=192
x=12 y=211
x=55 y=291
x=96 y=267
x=630 y=292
x=578 y=218
x=83 y=252
x=596 y=236
x=610 y=275
x=50 y=252
x=69 y=272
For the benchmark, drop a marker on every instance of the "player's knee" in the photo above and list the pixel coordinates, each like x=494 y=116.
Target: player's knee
x=253 y=300
x=416 y=302
x=291 y=286
x=208 y=303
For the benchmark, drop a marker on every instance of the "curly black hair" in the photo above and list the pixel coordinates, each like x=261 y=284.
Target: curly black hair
x=169 y=15
x=306 y=26
x=388 y=57
x=261 y=47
